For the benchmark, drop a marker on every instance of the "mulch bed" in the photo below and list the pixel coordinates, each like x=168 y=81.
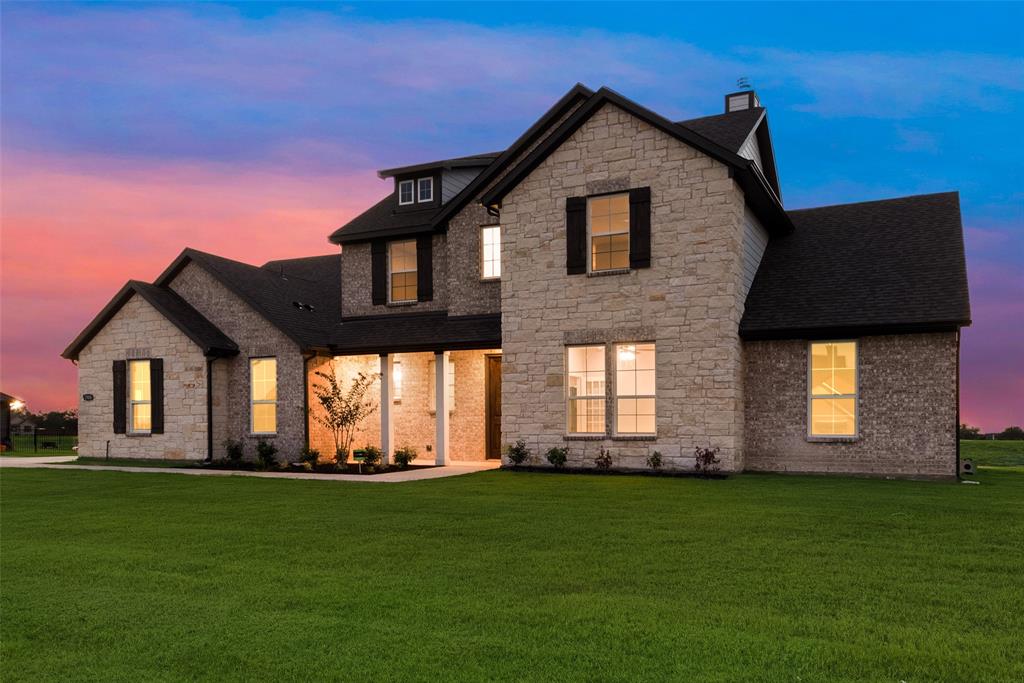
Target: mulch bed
x=321 y=468
x=619 y=472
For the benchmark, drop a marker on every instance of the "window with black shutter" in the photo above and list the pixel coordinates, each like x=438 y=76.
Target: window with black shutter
x=120 y=396
x=640 y=227
x=576 y=235
x=379 y=272
x=156 y=395
x=424 y=268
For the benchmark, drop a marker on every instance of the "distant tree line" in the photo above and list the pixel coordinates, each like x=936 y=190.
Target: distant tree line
x=1009 y=434
x=55 y=422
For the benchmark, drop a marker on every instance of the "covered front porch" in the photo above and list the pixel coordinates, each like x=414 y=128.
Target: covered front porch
x=445 y=404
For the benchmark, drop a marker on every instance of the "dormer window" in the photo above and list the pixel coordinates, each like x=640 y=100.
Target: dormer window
x=426 y=189
x=405 y=192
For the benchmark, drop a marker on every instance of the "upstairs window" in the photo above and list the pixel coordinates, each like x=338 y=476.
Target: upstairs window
x=263 y=387
x=140 y=397
x=402 y=271
x=426 y=189
x=490 y=244
x=585 y=392
x=832 y=390
x=405 y=192
x=608 y=219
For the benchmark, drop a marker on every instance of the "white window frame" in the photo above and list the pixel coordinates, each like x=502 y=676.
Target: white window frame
x=253 y=402
x=617 y=396
x=132 y=402
x=483 y=252
x=392 y=272
x=412 y=192
x=429 y=180
x=855 y=396
x=586 y=397
x=590 y=236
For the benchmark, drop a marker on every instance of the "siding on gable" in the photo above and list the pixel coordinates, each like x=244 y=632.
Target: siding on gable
x=453 y=181
x=755 y=241
x=751 y=150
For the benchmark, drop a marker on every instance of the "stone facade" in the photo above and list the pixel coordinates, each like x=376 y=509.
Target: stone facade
x=907 y=408
x=140 y=331
x=256 y=337
x=688 y=302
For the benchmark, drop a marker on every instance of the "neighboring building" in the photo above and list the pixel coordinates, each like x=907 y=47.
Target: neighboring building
x=612 y=280
x=9 y=405
x=22 y=424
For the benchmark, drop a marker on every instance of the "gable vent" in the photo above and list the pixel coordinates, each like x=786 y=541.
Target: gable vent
x=738 y=101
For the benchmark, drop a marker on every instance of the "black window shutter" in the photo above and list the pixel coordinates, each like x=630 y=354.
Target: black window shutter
x=576 y=235
x=424 y=268
x=156 y=395
x=120 y=396
x=379 y=272
x=640 y=227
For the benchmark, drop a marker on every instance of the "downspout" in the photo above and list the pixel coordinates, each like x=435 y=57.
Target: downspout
x=305 y=395
x=209 y=409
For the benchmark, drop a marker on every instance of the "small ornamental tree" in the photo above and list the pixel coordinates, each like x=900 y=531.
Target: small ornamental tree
x=343 y=410
x=706 y=461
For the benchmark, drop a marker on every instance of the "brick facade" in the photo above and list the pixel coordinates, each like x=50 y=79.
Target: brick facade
x=139 y=331
x=688 y=301
x=907 y=408
x=356 y=278
x=255 y=337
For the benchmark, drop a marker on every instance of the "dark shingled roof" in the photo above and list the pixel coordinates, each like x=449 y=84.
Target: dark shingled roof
x=274 y=289
x=887 y=266
x=382 y=220
x=416 y=332
x=196 y=327
x=473 y=160
x=728 y=130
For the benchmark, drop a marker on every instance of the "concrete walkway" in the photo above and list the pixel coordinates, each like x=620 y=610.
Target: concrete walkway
x=388 y=477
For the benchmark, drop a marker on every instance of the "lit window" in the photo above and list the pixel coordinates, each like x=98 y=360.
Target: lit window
x=396 y=380
x=405 y=192
x=609 y=232
x=585 y=389
x=634 y=389
x=426 y=189
x=140 y=396
x=833 y=389
x=449 y=395
x=403 y=270
x=490 y=241
x=263 y=380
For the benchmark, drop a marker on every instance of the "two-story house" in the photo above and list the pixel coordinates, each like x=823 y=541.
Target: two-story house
x=612 y=280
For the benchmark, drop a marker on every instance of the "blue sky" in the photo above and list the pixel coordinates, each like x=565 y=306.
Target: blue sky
x=275 y=116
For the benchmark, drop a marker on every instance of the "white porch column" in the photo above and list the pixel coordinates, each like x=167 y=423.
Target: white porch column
x=387 y=430
x=441 y=373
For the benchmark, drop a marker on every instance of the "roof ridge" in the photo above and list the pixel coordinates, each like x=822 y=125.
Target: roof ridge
x=876 y=201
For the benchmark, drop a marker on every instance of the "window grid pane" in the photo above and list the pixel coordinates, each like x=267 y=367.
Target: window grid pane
x=585 y=388
x=634 y=389
x=139 y=396
x=833 y=389
x=402 y=256
x=491 y=244
x=263 y=393
x=609 y=232
x=405 y=192
x=426 y=189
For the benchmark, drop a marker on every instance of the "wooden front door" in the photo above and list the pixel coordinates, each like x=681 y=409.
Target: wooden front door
x=493 y=421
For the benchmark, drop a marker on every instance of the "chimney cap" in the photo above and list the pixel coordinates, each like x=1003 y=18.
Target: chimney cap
x=738 y=101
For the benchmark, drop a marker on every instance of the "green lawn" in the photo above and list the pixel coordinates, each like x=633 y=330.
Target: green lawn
x=511 y=576
x=996 y=453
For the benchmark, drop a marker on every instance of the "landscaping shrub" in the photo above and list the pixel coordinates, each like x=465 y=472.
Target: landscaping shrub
x=557 y=456
x=603 y=459
x=340 y=457
x=517 y=453
x=266 y=452
x=309 y=455
x=654 y=461
x=234 y=450
x=707 y=460
x=404 y=456
x=372 y=456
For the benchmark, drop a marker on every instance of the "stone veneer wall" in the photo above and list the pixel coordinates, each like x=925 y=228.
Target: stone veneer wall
x=688 y=302
x=414 y=422
x=907 y=408
x=139 y=331
x=255 y=336
x=356 y=282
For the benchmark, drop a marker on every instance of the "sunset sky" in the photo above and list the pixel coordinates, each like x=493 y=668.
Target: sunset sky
x=130 y=131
